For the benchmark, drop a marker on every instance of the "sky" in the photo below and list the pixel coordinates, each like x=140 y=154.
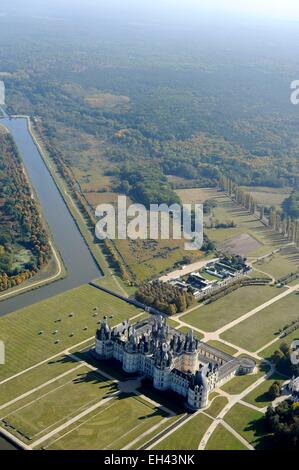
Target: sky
x=278 y=9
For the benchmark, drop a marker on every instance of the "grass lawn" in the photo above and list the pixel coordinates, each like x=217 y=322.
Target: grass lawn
x=188 y=436
x=240 y=382
x=20 y=330
x=147 y=259
x=48 y=408
x=268 y=196
x=217 y=405
x=248 y=423
x=259 y=396
x=114 y=426
x=213 y=316
x=35 y=377
x=264 y=326
x=227 y=211
x=222 y=439
x=185 y=329
x=269 y=351
x=223 y=347
x=280 y=264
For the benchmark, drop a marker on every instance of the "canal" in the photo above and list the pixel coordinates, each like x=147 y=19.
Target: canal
x=80 y=265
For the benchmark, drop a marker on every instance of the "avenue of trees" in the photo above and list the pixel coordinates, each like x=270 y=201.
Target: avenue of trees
x=284 y=222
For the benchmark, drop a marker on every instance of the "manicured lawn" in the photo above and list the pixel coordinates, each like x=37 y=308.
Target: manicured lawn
x=213 y=316
x=269 y=351
x=21 y=330
x=259 y=396
x=264 y=326
x=223 y=347
x=185 y=329
x=239 y=383
x=222 y=439
x=188 y=436
x=51 y=406
x=249 y=424
x=35 y=377
x=279 y=265
x=112 y=427
x=217 y=405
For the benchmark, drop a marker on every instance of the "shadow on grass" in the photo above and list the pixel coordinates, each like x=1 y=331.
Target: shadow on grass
x=262 y=439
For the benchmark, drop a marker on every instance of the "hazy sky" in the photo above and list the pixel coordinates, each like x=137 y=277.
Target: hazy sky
x=279 y=9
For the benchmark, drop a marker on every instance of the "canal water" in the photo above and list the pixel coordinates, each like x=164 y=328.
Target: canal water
x=80 y=265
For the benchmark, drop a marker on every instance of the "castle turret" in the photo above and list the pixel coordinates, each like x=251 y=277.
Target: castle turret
x=162 y=367
x=131 y=352
x=198 y=392
x=104 y=346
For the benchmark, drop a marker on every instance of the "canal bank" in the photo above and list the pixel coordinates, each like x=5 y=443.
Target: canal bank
x=79 y=262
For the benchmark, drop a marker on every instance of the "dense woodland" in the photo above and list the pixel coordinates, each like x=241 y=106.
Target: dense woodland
x=144 y=111
x=24 y=244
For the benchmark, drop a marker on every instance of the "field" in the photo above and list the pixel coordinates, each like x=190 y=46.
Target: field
x=247 y=422
x=223 y=347
x=280 y=264
x=268 y=351
x=217 y=314
x=114 y=426
x=268 y=196
x=239 y=383
x=251 y=236
x=51 y=406
x=265 y=325
x=49 y=327
x=151 y=258
x=222 y=439
x=259 y=396
x=196 y=195
x=216 y=406
x=188 y=436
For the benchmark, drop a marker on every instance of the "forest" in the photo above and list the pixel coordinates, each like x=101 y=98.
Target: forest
x=24 y=243
x=144 y=111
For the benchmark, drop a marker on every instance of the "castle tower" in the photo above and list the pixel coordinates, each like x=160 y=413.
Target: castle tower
x=162 y=368
x=131 y=353
x=198 y=392
x=104 y=346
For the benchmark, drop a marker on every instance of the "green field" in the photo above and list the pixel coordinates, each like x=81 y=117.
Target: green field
x=114 y=426
x=264 y=326
x=222 y=439
x=280 y=264
x=268 y=196
x=227 y=211
x=216 y=406
x=223 y=347
x=36 y=377
x=188 y=436
x=248 y=423
x=239 y=383
x=48 y=408
x=28 y=346
x=213 y=316
x=269 y=351
x=259 y=396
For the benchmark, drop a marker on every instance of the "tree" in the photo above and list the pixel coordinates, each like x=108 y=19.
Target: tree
x=274 y=391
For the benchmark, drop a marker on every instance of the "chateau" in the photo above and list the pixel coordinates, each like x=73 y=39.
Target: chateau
x=171 y=359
